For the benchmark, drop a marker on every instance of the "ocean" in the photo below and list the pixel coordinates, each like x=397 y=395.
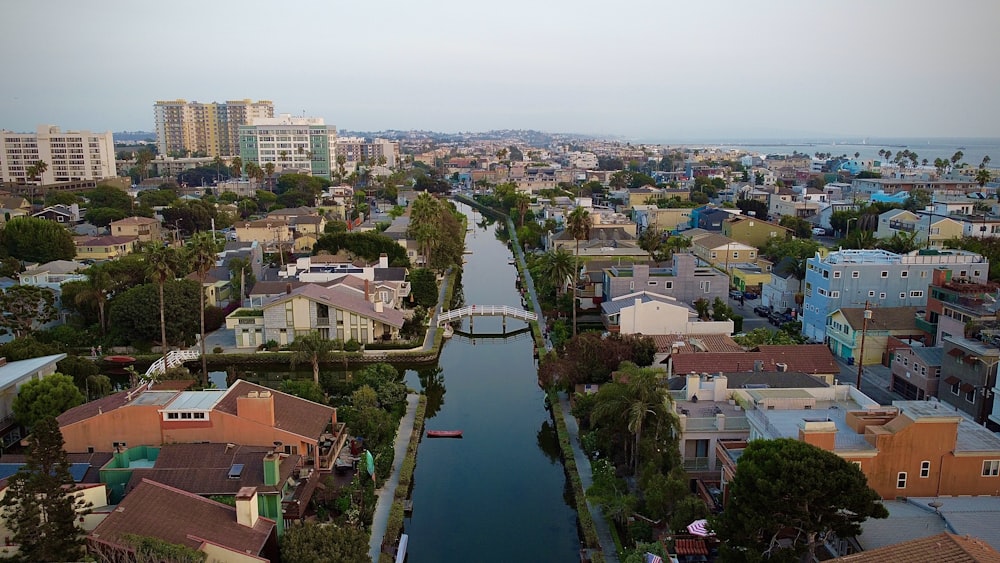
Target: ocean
x=974 y=149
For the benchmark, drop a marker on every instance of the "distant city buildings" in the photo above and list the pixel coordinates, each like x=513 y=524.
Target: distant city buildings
x=356 y=150
x=303 y=143
x=212 y=129
x=68 y=155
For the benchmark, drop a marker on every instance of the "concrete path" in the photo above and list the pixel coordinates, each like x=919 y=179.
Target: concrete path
x=586 y=480
x=386 y=494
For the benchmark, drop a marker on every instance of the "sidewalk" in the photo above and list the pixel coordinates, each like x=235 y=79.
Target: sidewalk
x=586 y=480
x=386 y=495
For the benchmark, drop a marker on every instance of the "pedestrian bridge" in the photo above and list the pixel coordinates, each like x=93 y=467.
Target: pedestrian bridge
x=486 y=311
x=173 y=359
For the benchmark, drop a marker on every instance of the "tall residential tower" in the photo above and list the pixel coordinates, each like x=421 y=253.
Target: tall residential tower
x=290 y=142
x=69 y=155
x=186 y=128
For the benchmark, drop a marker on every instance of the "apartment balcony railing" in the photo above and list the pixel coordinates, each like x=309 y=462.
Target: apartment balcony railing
x=926 y=326
x=701 y=464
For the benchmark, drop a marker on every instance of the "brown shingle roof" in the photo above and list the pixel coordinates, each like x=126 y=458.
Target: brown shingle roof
x=941 y=548
x=696 y=343
x=93 y=408
x=292 y=414
x=883 y=318
x=806 y=358
x=343 y=299
x=203 y=469
x=156 y=510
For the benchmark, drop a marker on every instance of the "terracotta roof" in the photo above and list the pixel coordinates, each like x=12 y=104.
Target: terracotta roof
x=883 y=318
x=156 y=510
x=203 y=469
x=292 y=414
x=941 y=548
x=691 y=343
x=806 y=358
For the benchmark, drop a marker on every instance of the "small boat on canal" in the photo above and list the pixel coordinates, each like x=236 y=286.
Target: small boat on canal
x=444 y=433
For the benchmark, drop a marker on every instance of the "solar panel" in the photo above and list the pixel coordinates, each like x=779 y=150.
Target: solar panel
x=235 y=471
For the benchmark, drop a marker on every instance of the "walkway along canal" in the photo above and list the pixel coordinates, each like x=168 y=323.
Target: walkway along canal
x=500 y=492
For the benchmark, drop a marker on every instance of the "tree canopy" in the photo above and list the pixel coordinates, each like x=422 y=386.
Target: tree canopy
x=46 y=397
x=787 y=497
x=26 y=308
x=134 y=315
x=32 y=239
x=312 y=543
x=423 y=287
x=368 y=245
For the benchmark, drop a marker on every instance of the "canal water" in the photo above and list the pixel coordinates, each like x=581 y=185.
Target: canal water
x=499 y=493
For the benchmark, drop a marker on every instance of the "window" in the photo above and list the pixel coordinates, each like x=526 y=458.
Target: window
x=855 y=275
x=871 y=294
x=668 y=285
x=925 y=469
x=975 y=273
x=826 y=273
x=736 y=254
x=902 y=295
x=901 y=480
x=970 y=395
x=954 y=388
x=834 y=294
x=713 y=255
x=881 y=295
x=904 y=274
x=172 y=416
x=991 y=467
x=836 y=275
x=916 y=293
x=885 y=274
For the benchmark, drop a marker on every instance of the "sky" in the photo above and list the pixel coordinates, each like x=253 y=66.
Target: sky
x=654 y=71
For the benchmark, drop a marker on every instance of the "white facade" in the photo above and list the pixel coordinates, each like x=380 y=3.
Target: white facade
x=356 y=149
x=70 y=155
x=290 y=143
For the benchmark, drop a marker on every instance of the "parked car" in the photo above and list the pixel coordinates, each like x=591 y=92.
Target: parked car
x=819 y=231
x=750 y=295
x=778 y=318
x=762 y=310
x=735 y=294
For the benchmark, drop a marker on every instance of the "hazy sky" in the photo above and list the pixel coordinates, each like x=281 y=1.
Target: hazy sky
x=653 y=70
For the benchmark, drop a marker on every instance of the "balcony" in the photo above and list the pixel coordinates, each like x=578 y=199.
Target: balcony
x=902 y=226
x=700 y=464
x=926 y=326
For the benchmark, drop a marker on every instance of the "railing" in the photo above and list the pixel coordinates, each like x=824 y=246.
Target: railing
x=173 y=359
x=486 y=311
x=700 y=464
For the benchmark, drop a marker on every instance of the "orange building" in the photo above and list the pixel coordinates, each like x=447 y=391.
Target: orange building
x=245 y=414
x=912 y=449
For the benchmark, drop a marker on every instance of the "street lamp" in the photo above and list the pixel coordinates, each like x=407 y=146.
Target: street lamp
x=848 y=230
x=864 y=331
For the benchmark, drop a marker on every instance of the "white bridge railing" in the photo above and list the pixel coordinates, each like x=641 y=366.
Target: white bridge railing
x=173 y=359
x=486 y=311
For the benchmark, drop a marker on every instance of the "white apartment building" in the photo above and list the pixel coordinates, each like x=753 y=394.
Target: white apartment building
x=70 y=155
x=356 y=149
x=290 y=143
x=209 y=128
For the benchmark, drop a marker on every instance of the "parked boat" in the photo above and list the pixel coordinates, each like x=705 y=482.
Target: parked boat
x=119 y=359
x=444 y=433
x=548 y=402
x=448 y=331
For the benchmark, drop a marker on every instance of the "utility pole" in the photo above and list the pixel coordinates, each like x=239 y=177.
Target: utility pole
x=864 y=330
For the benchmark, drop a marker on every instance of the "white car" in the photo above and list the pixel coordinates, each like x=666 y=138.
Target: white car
x=819 y=231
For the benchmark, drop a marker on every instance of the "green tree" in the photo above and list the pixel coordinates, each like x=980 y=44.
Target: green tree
x=423 y=287
x=634 y=404
x=39 y=507
x=983 y=176
x=96 y=291
x=578 y=223
x=241 y=276
x=801 y=227
x=236 y=165
x=312 y=543
x=785 y=489
x=918 y=199
x=161 y=263
x=26 y=308
x=557 y=266
x=46 y=397
x=312 y=348
x=201 y=255
x=303 y=389
x=32 y=239
x=899 y=242
x=36 y=170
x=133 y=315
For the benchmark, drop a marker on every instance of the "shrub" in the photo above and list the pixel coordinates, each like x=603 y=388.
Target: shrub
x=217 y=350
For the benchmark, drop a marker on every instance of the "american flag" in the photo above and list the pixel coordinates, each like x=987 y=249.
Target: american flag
x=650 y=558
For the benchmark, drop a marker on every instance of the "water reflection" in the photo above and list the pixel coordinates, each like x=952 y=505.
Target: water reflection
x=432 y=381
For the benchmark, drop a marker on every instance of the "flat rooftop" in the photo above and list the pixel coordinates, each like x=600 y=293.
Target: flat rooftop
x=778 y=423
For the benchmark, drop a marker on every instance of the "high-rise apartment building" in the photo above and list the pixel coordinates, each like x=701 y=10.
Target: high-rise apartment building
x=357 y=149
x=68 y=155
x=289 y=142
x=186 y=128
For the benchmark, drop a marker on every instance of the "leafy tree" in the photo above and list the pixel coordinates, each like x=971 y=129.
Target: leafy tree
x=312 y=348
x=312 y=543
x=632 y=405
x=578 y=223
x=107 y=196
x=62 y=198
x=385 y=380
x=304 y=389
x=241 y=276
x=899 y=242
x=46 y=397
x=158 y=198
x=161 y=263
x=25 y=308
x=367 y=245
x=39 y=510
x=25 y=348
x=96 y=291
x=918 y=199
x=134 y=314
x=759 y=208
x=759 y=336
x=423 y=287
x=801 y=227
x=785 y=489
x=32 y=239
x=78 y=368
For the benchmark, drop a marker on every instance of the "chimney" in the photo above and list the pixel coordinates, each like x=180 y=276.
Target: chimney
x=272 y=469
x=256 y=406
x=383 y=260
x=378 y=304
x=288 y=288
x=246 y=507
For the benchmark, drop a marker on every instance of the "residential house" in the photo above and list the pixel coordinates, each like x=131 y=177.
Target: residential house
x=667 y=344
x=13 y=375
x=668 y=219
x=711 y=219
x=225 y=533
x=906 y=223
x=848 y=331
x=941 y=547
x=969 y=376
x=813 y=359
x=916 y=372
x=62 y=214
x=913 y=448
x=864 y=187
x=301 y=220
x=606 y=241
x=104 y=247
x=783 y=289
x=144 y=229
x=644 y=312
x=722 y=251
x=752 y=231
x=397 y=231
x=7 y=214
x=850 y=278
x=15 y=203
x=954 y=302
x=245 y=414
x=53 y=274
x=268 y=232
x=750 y=277
x=684 y=280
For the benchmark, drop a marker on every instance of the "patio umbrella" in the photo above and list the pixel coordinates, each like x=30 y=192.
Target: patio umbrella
x=699 y=527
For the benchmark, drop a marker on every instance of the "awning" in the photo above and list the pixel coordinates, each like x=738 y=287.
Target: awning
x=951 y=380
x=699 y=527
x=966 y=387
x=690 y=547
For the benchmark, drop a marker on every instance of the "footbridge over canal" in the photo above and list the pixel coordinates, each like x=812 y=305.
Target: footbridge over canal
x=474 y=311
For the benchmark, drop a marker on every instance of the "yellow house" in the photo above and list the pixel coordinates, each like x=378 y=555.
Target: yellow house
x=267 y=232
x=723 y=251
x=104 y=247
x=145 y=229
x=305 y=243
x=666 y=219
x=751 y=277
x=753 y=231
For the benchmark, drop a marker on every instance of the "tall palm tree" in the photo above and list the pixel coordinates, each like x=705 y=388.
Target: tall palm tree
x=522 y=201
x=269 y=171
x=202 y=256
x=633 y=404
x=161 y=265
x=557 y=267
x=983 y=176
x=312 y=348
x=99 y=285
x=424 y=224
x=36 y=170
x=578 y=223
x=237 y=167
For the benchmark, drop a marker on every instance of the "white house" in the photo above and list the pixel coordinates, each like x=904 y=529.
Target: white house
x=648 y=313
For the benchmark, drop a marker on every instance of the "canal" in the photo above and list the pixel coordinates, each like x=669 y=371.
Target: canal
x=499 y=493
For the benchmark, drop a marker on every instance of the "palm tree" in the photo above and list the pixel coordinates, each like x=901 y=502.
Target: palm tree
x=312 y=348
x=36 y=170
x=269 y=170
x=983 y=176
x=632 y=404
x=99 y=285
x=557 y=267
x=161 y=263
x=424 y=214
x=522 y=201
x=578 y=224
x=237 y=167
x=201 y=256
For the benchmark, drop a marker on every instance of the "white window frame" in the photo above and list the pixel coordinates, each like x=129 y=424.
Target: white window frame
x=991 y=467
x=916 y=293
x=925 y=469
x=901 y=480
x=855 y=274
